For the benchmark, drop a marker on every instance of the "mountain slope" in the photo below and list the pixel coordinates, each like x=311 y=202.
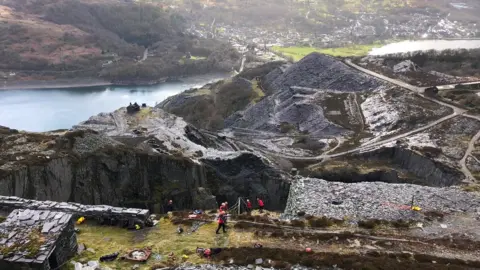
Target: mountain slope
x=47 y=39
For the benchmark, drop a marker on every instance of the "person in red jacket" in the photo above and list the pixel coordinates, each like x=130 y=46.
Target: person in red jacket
x=249 y=206
x=222 y=219
x=223 y=207
x=261 y=205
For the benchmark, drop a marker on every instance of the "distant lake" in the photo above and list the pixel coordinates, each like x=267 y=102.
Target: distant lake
x=50 y=109
x=425 y=45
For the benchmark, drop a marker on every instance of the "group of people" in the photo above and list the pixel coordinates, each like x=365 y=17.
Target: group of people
x=222 y=213
x=260 y=203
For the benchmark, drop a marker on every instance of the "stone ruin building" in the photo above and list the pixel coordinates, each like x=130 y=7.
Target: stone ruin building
x=36 y=239
x=40 y=235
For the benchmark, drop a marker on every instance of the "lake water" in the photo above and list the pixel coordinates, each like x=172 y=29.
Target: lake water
x=425 y=45
x=50 y=109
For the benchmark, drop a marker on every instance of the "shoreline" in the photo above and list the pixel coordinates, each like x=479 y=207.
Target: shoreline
x=53 y=84
x=88 y=82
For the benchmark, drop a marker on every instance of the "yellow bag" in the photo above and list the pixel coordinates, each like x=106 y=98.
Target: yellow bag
x=80 y=220
x=416 y=208
x=137 y=227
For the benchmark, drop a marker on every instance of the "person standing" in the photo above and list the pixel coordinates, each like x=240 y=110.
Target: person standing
x=261 y=205
x=222 y=207
x=249 y=206
x=222 y=219
x=169 y=206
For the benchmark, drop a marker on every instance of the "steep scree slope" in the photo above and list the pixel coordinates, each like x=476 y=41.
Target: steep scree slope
x=315 y=73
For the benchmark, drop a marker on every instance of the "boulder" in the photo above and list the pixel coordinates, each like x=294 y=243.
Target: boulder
x=405 y=66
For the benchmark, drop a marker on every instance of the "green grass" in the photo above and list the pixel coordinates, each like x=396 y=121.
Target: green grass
x=298 y=53
x=258 y=93
x=163 y=240
x=182 y=60
x=197 y=57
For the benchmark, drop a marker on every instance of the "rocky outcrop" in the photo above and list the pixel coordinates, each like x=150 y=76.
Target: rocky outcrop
x=380 y=201
x=390 y=164
x=249 y=176
x=8 y=204
x=109 y=176
x=207 y=107
x=132 y=160
x=427 y=171
x=405 y=66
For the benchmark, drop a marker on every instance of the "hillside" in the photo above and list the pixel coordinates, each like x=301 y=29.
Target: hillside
x=48 y=39
x=333 y=122
x=209 y=106
x=330 y=24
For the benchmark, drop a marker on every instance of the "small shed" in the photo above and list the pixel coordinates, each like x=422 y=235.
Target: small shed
x=36 y=239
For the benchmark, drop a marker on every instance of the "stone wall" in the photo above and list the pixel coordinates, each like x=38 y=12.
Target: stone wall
x=76 y=209
x=34 y=236
x=66 y=245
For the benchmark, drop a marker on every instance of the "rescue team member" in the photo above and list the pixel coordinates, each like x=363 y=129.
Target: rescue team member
x=170 y=206
x=222 y=219
x=224 y=206
x=261 y=205
x=249 y=206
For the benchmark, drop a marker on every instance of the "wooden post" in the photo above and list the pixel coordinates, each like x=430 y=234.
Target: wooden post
x=239 y=206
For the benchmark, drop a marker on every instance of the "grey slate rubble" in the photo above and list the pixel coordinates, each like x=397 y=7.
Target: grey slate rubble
x=8 y=203
x=53 y=231
x=234 y=267
x=375 y=200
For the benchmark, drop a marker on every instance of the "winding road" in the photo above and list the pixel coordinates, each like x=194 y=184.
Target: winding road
x=463 y=161
x=456 y=111
x=419 y=91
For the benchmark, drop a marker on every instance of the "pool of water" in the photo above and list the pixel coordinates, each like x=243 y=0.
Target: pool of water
x=425 y=45
x=50 y=109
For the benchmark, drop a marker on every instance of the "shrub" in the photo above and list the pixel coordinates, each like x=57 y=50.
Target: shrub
x=297 y=223
x=370 y=224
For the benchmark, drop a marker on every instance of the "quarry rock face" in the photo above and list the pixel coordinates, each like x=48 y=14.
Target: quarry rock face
x=109 y=160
